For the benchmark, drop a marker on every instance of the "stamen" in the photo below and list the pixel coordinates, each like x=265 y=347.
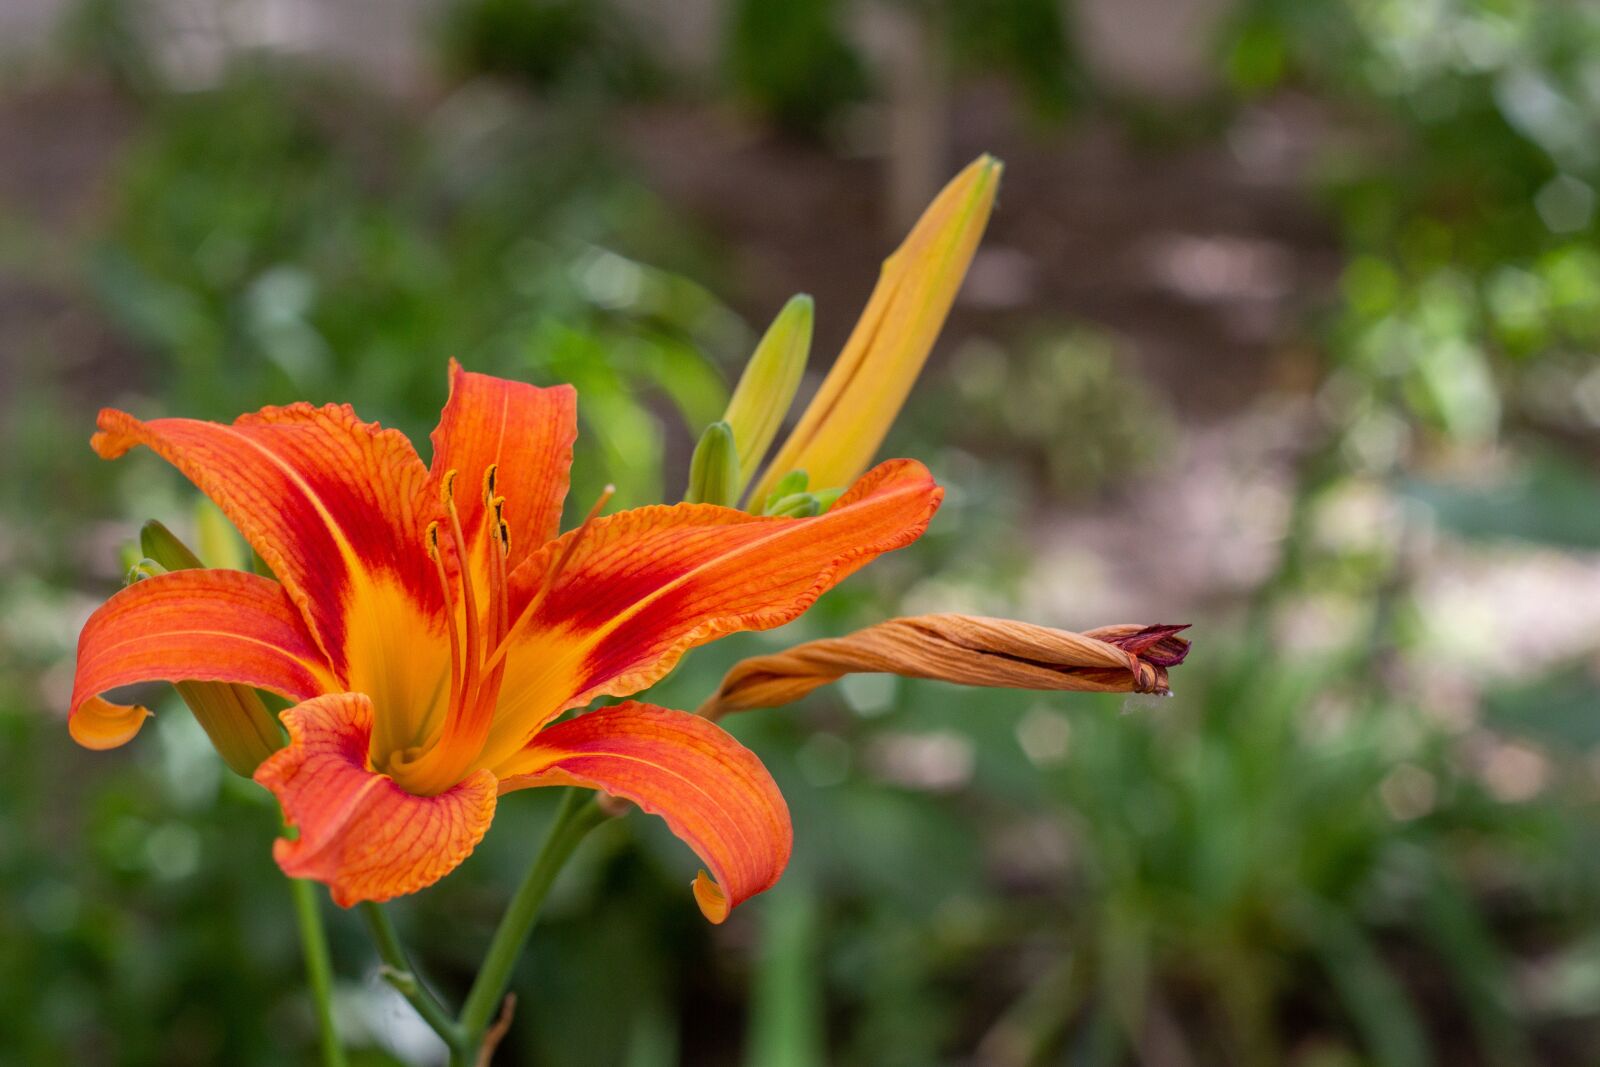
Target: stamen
x=469 y=598
x=498 y=606
x=474 y=687
x=583 y=528
x=449 y=614
x=489 y=474
x=550 y=578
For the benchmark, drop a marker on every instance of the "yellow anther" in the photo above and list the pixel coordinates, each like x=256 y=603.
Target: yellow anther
x=447 y=488
x=502 y=531
x=433 y=540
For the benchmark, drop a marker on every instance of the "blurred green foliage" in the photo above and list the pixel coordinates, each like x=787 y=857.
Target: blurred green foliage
x=292 y=260
x=1469 y=208
x=793 y=62
x=1062 y=400
x=567 y=45
x=798 y=65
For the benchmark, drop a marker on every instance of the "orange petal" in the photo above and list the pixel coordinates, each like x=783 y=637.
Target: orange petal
x=712 y=791
x=100 y=724
x=326 y=499
x=190 y=626
x=337 y=509
x=360 y=833
x=528 y=433
x=644 y=586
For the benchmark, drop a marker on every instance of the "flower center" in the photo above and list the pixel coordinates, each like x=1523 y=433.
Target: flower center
x=479 y=639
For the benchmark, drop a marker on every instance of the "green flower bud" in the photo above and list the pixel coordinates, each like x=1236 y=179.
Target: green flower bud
x=241 y=728
x=787 y=486
x=714 y=470
x=220 y=544
x=796 y=506
x=163 y=546
x=767 y=387
x=142 y=569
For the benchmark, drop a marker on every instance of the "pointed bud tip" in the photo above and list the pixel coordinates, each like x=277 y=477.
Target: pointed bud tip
x=714 y=468
x=165 y=547
x=851 y=412
x=766 y=389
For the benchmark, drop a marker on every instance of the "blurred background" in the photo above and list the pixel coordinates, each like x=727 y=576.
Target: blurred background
x=1285 y=326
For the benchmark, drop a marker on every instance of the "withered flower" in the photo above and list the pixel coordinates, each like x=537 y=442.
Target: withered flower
x=966 y=650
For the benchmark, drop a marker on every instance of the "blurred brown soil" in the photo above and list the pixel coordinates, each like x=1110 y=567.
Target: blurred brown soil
x=1203 y=257
x=57 y=143
x=1198 y=255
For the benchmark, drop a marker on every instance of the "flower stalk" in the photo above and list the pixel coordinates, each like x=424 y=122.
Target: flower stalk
x=319 y=968
x=397 y=971
x=575 y=818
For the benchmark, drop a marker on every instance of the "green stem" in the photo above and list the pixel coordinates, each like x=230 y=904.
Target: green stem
x=319 y=967
x=575 y=819
x=398 y=973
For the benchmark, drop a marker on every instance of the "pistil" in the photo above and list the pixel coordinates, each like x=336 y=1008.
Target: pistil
x=499 y=653
x=475 y=678
x=450 y=617
x=471 y=640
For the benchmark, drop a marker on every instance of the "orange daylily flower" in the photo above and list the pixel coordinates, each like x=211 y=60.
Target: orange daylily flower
x=433 y=627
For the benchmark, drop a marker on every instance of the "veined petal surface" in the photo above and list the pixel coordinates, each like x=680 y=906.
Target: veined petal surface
x=190 y=626
x=527 y=433
x=360 y=833
x=712 y=791
x=644 y=586
x=335 y=506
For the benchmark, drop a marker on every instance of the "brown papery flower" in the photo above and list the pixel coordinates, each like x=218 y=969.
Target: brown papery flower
x=966 y=650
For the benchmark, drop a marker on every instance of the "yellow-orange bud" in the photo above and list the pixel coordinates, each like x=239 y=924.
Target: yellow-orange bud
x=839 y=434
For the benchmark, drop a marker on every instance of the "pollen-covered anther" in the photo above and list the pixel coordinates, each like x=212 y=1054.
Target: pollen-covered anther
x=490 y=473
x=498 y=525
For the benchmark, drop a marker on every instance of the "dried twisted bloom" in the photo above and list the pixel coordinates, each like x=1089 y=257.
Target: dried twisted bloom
x=966 y=650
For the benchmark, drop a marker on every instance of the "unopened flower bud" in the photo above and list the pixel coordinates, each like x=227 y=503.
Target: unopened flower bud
x=795 y=506
x=789 y=485
x=714 y=469
x=767 y=387
x=142 y=569
x=163 y=546
x=839 y=434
